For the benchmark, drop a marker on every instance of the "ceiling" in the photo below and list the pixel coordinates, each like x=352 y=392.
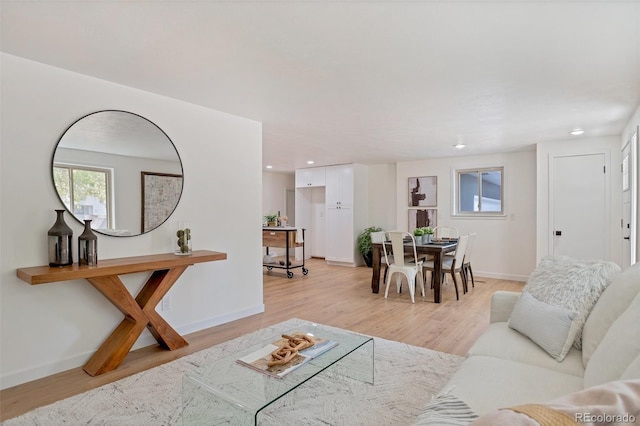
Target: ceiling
x=359 y=81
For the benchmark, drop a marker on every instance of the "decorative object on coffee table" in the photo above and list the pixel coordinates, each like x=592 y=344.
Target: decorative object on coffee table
x=87 y=246
x=60 y=242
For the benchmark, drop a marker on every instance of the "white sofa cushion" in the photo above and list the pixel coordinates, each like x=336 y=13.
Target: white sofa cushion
x=613 y=301
x=618 y=348
x=553 y=328
x=502 y=342
x=572 y=284
x=489 y=383
x=633 y=370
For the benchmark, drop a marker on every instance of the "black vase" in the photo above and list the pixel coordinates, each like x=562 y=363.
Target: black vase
x=60 y=242
x=88 y=246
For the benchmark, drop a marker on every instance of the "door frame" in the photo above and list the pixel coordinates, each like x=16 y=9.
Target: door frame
x=632 y=143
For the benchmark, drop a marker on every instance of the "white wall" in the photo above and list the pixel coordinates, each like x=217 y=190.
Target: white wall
x=505 y=246
x=382 y=196
x=609 y=145
x=53 y=327
x=274 y=186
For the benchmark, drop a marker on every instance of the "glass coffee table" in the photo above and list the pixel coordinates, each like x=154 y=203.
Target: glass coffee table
x=225 y=392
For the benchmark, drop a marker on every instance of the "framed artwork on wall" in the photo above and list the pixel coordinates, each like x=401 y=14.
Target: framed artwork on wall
x=160 y=195
x=423 y=191
x=419 y=218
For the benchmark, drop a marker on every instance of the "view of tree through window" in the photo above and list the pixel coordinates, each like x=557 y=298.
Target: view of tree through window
x=480 y=191
x=87 y=190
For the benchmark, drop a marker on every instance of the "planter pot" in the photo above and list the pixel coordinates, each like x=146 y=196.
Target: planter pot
x=418 y=239
x=426 y=239
x=368 y=259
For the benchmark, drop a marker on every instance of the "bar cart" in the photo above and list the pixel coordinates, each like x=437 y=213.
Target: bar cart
x=283 y=237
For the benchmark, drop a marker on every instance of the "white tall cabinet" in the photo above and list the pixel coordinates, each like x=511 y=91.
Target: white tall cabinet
x=345 y=209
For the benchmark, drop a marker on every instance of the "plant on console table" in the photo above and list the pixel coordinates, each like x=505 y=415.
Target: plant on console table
x=364 y=244
x=271 y=219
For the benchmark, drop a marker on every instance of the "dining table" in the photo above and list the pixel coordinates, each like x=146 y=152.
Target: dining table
x=436 y=249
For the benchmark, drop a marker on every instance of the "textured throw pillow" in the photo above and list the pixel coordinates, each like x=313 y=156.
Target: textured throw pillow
x=572 y=284
x=552 y=328
x=446 y=410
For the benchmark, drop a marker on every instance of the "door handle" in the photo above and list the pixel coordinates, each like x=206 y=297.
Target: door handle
x=558 y=233
x=627 y=238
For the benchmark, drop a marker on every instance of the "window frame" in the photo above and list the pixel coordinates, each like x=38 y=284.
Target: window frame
x=457 y=193
x=109 y=184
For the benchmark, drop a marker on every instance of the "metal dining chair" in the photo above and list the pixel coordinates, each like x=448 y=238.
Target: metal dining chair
x=411 y=268
x=454 y=265
x=379 y=237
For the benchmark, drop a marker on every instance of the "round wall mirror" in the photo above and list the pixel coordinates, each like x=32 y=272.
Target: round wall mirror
x=119 y=170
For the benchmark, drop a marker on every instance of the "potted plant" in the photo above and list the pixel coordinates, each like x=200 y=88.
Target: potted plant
x=428 y=234
x=417 y=235
x=271 y=219
x=364 y=244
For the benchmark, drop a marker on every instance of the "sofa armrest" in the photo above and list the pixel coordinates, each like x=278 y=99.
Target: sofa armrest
x=502 y=303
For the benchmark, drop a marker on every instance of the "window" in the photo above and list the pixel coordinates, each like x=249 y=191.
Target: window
x=480 y=191
x=87 y=190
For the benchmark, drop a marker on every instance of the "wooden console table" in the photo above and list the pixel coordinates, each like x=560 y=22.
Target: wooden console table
x=139 y=312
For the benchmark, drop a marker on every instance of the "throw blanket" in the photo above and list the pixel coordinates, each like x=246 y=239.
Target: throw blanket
x=610 y=404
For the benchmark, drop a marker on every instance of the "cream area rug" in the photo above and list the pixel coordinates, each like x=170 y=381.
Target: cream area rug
x=406 y=378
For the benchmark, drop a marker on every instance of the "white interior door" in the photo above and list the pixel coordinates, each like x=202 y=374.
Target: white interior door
x=579 y=206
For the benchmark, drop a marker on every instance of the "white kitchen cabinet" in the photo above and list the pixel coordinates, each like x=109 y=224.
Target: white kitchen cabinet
x=344 y=210
x=340 y=235
x=347 y=210
x=312 y=177
x=340 y=185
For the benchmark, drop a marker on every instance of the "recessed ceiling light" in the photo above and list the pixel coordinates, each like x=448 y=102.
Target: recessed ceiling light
x=310 y=162
x=577 y=131
x=269 y=167
x=459 y=145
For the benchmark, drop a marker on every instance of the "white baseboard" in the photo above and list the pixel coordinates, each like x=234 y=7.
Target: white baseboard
x=146 y=339
x=348 y=264
x=223 y=319
x=499 y=276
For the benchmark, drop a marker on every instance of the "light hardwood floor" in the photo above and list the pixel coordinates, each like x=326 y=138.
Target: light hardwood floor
x=332 y=295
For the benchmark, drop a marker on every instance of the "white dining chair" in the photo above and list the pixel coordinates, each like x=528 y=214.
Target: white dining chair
x=466 y=267
x=409 y=267
x=445 y=232
x=453 y=265
x=440 y=232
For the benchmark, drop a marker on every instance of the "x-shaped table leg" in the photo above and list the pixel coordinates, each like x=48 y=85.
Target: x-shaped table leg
x=138 y=314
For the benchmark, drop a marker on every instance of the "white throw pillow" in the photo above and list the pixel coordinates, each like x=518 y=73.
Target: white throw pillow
x=572 y=284
x=550 y=327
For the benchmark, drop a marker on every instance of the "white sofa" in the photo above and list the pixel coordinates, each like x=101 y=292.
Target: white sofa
x=505 y=368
